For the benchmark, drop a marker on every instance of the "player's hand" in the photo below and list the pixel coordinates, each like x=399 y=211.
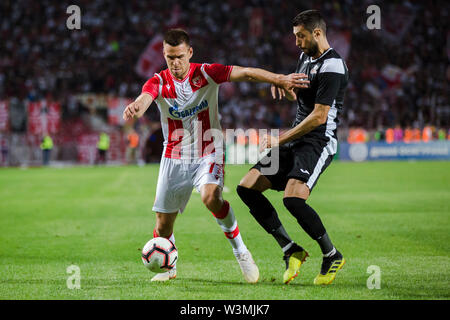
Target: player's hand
x=268 y=142
x=131 y=110
x=277 y=90
x=138 y=107
x=281 y=93
x=293 y=80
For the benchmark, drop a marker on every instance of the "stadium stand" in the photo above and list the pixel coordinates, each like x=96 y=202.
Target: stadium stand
x=398 y=74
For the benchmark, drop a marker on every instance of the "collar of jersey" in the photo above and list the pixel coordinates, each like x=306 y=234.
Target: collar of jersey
x=187 y=76
x=314 y=60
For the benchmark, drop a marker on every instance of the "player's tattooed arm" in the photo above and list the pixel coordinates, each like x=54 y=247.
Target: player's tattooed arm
x=287 y=82
x=317 y=117
x=138 y=107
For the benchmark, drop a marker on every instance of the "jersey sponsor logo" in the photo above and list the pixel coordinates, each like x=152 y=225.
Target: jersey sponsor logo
x=174 y=112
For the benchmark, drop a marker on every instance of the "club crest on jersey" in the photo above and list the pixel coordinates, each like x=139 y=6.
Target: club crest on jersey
x=314 y=69
x=174 y=112
x=197 y=81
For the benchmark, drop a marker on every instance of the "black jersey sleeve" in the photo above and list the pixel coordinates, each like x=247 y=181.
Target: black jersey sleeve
x=330 y=78
x=329 y=84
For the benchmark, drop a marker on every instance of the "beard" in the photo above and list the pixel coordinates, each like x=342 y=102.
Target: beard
x=313 y=49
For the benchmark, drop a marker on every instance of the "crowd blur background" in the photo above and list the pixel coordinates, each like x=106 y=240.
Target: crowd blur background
x=72 y=85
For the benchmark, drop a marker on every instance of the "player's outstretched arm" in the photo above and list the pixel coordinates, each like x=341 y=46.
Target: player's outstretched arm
x=138 y=107
x=317 y=117
x=287 y=82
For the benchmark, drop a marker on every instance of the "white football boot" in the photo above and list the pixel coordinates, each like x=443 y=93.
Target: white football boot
x=248 y=267
x=166 y=276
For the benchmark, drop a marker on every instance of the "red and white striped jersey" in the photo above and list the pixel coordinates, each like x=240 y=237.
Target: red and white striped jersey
x=188 y=108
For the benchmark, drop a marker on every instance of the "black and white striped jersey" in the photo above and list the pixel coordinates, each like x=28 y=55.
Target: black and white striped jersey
x=328 y=76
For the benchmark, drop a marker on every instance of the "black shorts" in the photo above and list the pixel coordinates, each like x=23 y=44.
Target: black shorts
x=301 y=160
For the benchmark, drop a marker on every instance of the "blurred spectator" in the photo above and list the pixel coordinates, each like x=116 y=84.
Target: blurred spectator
x=3 y=150
x=390 y=135
x=132 y=147
x=441 y=134
x=46 y=147
x=357 y=135
x=416 y=135
x=427 y=134
x=102 y=147
x=398 y=133
x=381 y=135
x=398 y=74
x=408 y=135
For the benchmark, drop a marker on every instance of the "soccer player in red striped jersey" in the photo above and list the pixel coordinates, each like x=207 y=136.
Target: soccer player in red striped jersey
x=187 y=97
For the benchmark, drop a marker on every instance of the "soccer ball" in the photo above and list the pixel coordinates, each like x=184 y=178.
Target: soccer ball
x=159 y=255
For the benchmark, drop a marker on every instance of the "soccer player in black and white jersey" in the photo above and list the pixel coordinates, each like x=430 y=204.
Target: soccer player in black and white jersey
x=305 y=150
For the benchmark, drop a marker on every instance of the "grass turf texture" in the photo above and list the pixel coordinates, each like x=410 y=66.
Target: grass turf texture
x=394 y=215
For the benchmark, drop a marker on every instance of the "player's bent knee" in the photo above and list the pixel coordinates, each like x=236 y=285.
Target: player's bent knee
x=243 y=192
x=296 y=188
x=212 y=199
x=294 y=204
x=250 y=179
x=247 y=195
x=255 y=180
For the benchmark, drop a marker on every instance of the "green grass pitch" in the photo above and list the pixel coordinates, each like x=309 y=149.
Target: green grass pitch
x=394 y=215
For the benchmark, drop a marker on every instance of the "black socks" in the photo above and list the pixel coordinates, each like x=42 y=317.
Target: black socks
x=310 y=222
x=264 y=213
x=325 y=244
x=306 y=216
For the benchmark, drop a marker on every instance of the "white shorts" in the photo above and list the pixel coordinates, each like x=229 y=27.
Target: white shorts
x=178 y=177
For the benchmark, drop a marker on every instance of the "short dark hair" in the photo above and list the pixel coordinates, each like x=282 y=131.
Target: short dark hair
x=310 y=19
x=175 y=37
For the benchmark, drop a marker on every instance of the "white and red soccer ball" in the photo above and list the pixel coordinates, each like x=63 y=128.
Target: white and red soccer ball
x=159 y=255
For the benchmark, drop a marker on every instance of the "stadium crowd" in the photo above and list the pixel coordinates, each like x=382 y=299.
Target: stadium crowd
x=398 y=73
